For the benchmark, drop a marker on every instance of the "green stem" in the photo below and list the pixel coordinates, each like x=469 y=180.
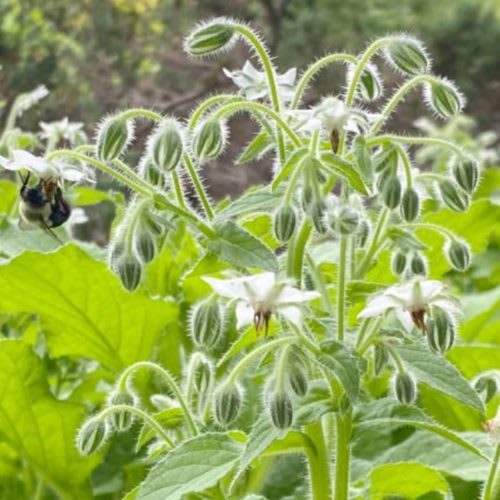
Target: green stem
x=319 y=463
x=315 y=68
x=341 y=288
x=281 y=370
x=492 y=486
x=395 y=356
x=131 y=173
x=122 y=381
x=40 y=489
x=207 y=104
x=320 y=284
x=296 y=255
x=179 y=195
x=420 y=141
x=442 y=231
x=363 y=345
x=342 y=455
x=133 y=113
x=198 y=186
x=406 y=166
x=363 y=329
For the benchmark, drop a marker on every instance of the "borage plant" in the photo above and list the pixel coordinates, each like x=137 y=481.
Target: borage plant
x=317 y=326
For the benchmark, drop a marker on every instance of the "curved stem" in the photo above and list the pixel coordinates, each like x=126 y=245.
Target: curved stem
x=133 y=113
x=443 y=231
x=198 y=186
x=320 y=284
x=342 y=455
x=138 y=413
x=296 y=252
x=423 y=141
x=122 y=381
x=367 y=339
x=131 y=173
x=179 y=195
x=207 y=104
x=395 y=356
x=406 y=166
x=341 y=288
x=492 y=486
x=281 y=369
x=316 y=67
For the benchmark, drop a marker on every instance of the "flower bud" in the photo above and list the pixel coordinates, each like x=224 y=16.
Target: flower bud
x=307 y=198
x=348 y=221
x=91 y=436
x=227 y=404
x=203 y=374
x=113 y=137
x=150 y=173
x=380 y=358
x=440 y=331
x=298 y=379
x=209 y=140
x=121 y=420
x=453 y=196
x=370 y=84
x=458 y=254
x=281 y=410
x=284 y=223
x=145 y=245
x=166 y=146
x=487 y=385
x=206 y=324
x=129 y=271
x=418 y=265
x=410 y=205
x=398 y=262
x=407 y=55
x=405 y=388
x=466 y=173
x=363 y=157
x=363 y=233
x=318 y=216
x=309 y=281
x=210 y=38
x=391 y=192
x=387 y=158
x=443 y=98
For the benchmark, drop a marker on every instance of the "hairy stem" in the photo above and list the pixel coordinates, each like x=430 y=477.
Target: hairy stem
x=491 y=489
x=342 y=455
x=341 y=288
x=198 y=186
x=319 y=463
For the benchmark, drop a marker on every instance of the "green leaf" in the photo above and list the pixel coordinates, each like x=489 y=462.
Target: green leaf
x=474 y=358
x=337 y=166
x=407 y=480
x=482 y=312
x=8 y=195
x=169 y=418
x=193 y=466
x=38 y=426
x=84 y=196
x=241 y=249
x=83 y=308
x=436 y=372
x=295 y=158
x=256 y=149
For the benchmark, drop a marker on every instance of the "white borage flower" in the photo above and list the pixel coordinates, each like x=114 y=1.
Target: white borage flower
x=253 y=83
x=411 y=301
x=63 y=129
x=259 y=296
x=42 y=169
x=29 y=99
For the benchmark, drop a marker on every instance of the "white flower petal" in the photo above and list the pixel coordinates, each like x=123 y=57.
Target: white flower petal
x=292 y=314
x=261 y=285
x=230 y=289
x=404 y=318
x=379 y=305
x=244 y=314
x=290 y=295
x=430 y=288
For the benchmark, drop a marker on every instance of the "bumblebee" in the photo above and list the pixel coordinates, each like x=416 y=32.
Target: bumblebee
x=43 y=206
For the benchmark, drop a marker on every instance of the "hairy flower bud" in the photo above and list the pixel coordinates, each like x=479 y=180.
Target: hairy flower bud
x=380 y=358
x=149 y=172
x=209 y=140
x=298 y=379
x=407 y=55
x=129 y=270
x=91 y=436
x=398 y=262
x=418 y=265
x=280 y=410
x=210 y=38
x=113 y=137
x=145 y=245
x=318 y=216
x=453 y=196
x=228 y=400
x=391 y=192
x=284 y=223
x=458 y=254
x=487 y=386
x=121 y=420
x=443 y=98
x=440 y=331
x=466 y=173
x=387 y=158
x=370 y=84
x=206 y=324
x=348 y=221
x=166 y=145
x=410 y=205
x=363 y=233
x=307 y=198
x=405 y=388
x=202 y=372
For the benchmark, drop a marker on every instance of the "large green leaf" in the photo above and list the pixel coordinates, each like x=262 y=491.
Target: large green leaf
x=83 y=308
x=482 y=313
x=475 y=358
x=338 y=166
x=238 y=247
x=38 y=426
x=193 y=466
x=436 y=372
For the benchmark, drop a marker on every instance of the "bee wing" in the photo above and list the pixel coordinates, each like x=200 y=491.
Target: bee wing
x=48 y=230
x=26 y=226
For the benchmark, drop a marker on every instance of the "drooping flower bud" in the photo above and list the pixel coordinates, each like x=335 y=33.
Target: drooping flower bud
x=227 y=403
x=210 y=38
x=113 y=137
x=387 y=158
x=370 y=84
x=129 y=270
x=487 y=386
x=348 y=221
x=440 y=331
x=458 y=254
x=284 y=223
x=391 y=192
x=209 y=140
x=454 y=197
x=145 y=245
x=418 y=265
x=280 y=409
x=380 y=358
x=410 y=205
x=202 y=372
x=363 y=233
x=407 y=55
x=121 y=420
x=149 y=172
x=307 y=198
x=405 y=388
x=206 y=324
x=443 y=97
x=466 y=173
x=91 y=436
x=166 y=145
x=298 y=379
x=318 y=216
x=398 y=262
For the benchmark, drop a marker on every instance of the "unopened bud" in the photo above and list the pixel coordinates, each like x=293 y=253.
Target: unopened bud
x=166 y=146
x=408 y=55
x=440 y=332
x=387 y=158
x=466 y=173
x=418 y=265
x=210 y=38
x=454 y=197
x=487 y=386
x=307 y=198
x=458 y=254
x=202 y=371
x=363 y=233
x=145 y=245
x=284 y=223
x=209 y=140
x=348 y=221
x=298 y=379
x=206 y=324
x=318 y=216
x=410 y=205
x=370 y=83
x=391 y=192
x=113 y=138
x=280 y=410
x=129 y=270
x=150 y=173
x=91 y=436
x=121 y=420
x=443 y=98
x=227 y=404
x=380 y=358
x=405 y=388
x=398 y=262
